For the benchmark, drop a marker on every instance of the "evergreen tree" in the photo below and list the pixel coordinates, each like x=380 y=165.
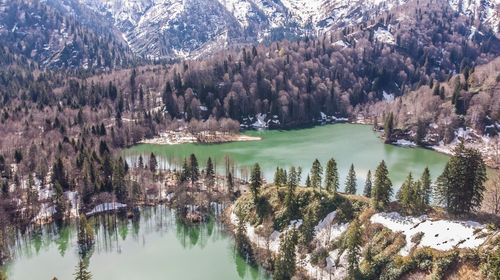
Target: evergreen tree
x=382 y=188
x=353 y=244
x=255 y=181
x=308 y=182
x=350 y=185
x=316 y=172
x=284 y=267
x=407 y=195
x=194 y=169
x=141 y=162
x=210 y=174
x=307 y=228
x=119 y=185
x=59 y=174
x=153 y=164
x=460 y=187
x=82 y=272
x=368 y=185
x=59 y=203
x=230 y=183
x=331 y=176
x=426 y=190
x=389 y=127
x=185 y=172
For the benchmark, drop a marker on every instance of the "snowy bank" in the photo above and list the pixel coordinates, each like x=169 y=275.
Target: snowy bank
x=437 y=234
x=104 y=207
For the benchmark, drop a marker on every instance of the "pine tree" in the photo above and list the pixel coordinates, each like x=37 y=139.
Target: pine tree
x=82 y=272
x=331 y=176
x=350 y=185
x=230 y=184
x=141 y=162
x=353 y=244
x=368 y=185
x=284 y=267
x=307 y=228
x=308 y=181
x=426 y=190
x=255 y=181
x=382 y=188
x=406 y=195
x=194 y=169
x=85 y=235
x=316 y=172
x=186 y=171
x=153 y=164
x=460 y=187
x=389 y=127
x=119 y=185
x=210 y=174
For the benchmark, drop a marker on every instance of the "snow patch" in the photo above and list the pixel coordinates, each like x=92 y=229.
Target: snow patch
x=437 y=234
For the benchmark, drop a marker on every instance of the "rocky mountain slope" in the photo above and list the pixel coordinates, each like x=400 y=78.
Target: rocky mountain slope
x=181 y=28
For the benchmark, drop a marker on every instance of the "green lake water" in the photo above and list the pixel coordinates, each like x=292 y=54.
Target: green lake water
x=152 y=246
x=347 y=143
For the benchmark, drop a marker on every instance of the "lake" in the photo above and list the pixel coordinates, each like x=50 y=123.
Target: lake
x=154 y=245
x=347 y=143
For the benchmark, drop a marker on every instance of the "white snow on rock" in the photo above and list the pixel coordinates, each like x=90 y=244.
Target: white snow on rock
x=384 y=36
x=405 y=143
x=387 y=96
x=439 y=234
x=327 y=231
x=104 y=207
x=261 y=121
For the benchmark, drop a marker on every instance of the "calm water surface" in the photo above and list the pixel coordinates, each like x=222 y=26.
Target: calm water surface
x=154 y=245
x=347 y=143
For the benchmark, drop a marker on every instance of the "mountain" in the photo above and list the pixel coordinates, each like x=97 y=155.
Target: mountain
x=109 y=34
x=182 y=28
x=60 y=34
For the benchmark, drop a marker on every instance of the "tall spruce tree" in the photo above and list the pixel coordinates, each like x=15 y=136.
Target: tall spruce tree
x=153 y=163
x=82 y=272
x=194 y=169
x=407 y=195
x=460 y=187
x=425 y=188
x=389 y=127
x=316 y=173
x=284 y=267
x=210 y=174
x=331 y=176
x=255 y=181
x=382 y=188
x=353 y=244
x=368 y=185
x=350 y=184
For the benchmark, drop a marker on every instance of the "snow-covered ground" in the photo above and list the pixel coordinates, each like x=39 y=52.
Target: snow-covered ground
x=384 y=36
x=405 y=143
x=437 y=234
x=110 y=206
x=325 y=231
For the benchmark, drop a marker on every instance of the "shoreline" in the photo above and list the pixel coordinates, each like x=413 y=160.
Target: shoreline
x=184 y=137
